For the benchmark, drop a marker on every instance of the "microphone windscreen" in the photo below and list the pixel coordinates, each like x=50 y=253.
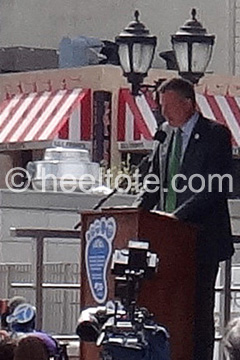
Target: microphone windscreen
x=160 y=136
x=88 y=331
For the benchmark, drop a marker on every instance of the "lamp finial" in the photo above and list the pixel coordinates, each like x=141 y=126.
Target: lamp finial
x=194 y=13
x=137 y=14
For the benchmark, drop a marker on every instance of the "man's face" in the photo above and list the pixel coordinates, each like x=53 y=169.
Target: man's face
x=176 y=109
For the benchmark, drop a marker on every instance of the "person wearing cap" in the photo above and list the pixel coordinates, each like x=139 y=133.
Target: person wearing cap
x=22 y=319
x=11 y=305
x=22 y=324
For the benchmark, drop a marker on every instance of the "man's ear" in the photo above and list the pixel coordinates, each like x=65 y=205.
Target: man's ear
x=191 y=106
x=189 y=101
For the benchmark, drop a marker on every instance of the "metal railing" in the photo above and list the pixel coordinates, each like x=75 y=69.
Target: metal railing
x=39 y=235
x=227 y=289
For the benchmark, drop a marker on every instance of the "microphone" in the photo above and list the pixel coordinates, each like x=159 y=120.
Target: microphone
x=160 y=136
x=90 y=322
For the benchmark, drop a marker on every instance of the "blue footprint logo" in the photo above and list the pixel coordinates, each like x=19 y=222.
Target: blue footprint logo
x=99 y=239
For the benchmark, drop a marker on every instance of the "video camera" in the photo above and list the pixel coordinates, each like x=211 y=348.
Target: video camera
x=121 y=327
x=130 y=266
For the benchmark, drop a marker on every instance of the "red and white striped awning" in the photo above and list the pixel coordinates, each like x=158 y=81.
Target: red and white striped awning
x=45 y=116
x=136 y=120
x=135 y=117
x=223 y=109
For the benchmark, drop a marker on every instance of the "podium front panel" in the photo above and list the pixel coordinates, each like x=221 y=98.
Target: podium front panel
x=169 y=295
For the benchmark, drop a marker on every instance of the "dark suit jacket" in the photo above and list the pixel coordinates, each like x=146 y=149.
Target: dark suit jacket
x=208 y=152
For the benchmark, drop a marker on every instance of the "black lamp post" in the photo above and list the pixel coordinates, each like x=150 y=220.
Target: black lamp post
x=193 y=49
x=136 y=51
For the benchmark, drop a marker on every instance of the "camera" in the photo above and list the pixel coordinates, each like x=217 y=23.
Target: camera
x=135 y=258
x=130 y=266
x=121 y=327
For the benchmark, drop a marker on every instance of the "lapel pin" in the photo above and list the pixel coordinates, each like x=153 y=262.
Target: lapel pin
x=196 y=136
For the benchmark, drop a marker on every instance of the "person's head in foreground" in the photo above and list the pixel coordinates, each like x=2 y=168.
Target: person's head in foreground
x=7 y=348
x=31 y=348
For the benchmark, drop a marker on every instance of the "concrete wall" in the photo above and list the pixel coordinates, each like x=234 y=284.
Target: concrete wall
x=16 y=59
x=44 y=23
x=47 y=210
x=55 y=210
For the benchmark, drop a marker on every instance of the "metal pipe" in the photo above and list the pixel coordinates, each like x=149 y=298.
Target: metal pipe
x=39 y=281
x=46 y=286
x=227 y=292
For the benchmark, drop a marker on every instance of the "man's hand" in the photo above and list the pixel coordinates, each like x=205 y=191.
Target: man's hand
x=164 y=213
x=4 y=335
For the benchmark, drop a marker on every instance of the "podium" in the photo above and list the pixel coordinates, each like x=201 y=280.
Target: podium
x=170 y=294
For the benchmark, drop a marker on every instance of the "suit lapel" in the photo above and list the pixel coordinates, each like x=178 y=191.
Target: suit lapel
x=192 y=149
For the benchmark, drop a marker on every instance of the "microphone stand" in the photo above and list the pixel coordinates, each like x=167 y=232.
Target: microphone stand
x=161 y=178
x=161 y=189
x=108 y=196
x=160 y=137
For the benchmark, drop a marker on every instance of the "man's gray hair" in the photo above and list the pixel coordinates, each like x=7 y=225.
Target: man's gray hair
x=181 y=86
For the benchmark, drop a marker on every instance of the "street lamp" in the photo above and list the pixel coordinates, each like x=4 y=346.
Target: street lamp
x=193 y=49
x=136 y=51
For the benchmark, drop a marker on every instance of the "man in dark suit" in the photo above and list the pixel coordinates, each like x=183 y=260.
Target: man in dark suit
x=196 y=173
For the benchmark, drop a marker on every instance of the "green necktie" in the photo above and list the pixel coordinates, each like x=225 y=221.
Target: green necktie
x=173 y=168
